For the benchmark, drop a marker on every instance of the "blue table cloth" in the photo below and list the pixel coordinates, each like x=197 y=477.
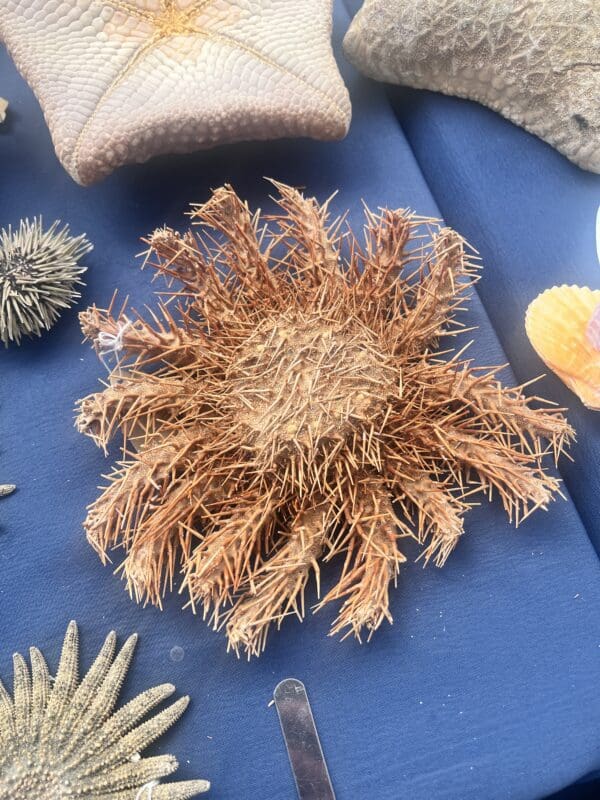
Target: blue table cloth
x=487 y=684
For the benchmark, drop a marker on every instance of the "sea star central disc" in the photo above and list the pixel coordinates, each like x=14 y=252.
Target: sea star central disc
x=304 y=383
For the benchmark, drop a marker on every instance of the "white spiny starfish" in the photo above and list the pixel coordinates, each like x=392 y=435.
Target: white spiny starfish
x=60 y=740
x=537 y=62
x=123 y=80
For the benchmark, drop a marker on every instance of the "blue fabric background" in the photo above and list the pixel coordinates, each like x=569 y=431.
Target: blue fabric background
x=487 y=684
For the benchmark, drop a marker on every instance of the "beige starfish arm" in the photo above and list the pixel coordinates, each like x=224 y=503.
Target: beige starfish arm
x=277 y=588
x=132 y=775
x=22 y=696
x=181 y=790
x=85 y=692
x=64 y=685
x=40 y=688
x=135 y=741
x=8 y=733
x=102 y=703
x=372 y=562
x=155 y=790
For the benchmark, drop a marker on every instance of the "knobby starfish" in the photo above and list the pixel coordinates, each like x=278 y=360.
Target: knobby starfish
x=537 y=62
x=124 y=80
x=60 y=740
x=279 y=413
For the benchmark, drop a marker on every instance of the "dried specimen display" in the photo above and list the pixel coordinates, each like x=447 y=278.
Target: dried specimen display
x=280 y=402
x=528 y=59
x=563 y=325
x=120 y=81
x=39 y=276
x=60 y=738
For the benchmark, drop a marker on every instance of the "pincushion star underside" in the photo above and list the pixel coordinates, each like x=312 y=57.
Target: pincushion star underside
x=123 y=80
x=280 y=412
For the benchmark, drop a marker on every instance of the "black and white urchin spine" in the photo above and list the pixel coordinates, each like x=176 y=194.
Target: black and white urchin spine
x=39 y=277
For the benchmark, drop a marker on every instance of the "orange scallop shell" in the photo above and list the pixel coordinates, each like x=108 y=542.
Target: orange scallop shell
x=560 y=324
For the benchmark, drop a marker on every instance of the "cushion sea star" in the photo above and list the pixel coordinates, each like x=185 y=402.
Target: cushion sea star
x=123 y=80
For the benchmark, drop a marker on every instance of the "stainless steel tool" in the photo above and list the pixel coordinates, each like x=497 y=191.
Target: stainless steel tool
x=302 y=741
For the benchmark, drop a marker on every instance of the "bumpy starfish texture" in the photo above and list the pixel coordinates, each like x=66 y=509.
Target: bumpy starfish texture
x=124 y=80
x=536 y=62
x=60 y=740
x=274 y=418
x=40 y=275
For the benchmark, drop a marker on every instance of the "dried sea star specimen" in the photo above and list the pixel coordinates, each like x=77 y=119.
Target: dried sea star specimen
x=39 y=276
x=120 y=81
x=295 y=396
x=60 y=738
x=536 y=62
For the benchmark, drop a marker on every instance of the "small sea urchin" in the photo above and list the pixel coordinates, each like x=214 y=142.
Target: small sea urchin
x=295 y=395
x=39 y=275
x=59 y=739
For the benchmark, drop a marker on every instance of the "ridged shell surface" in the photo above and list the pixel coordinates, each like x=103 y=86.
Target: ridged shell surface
x=558 y=324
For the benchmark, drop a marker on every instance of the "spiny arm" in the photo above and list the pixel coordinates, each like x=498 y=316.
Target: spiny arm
x=130 y=404
x=241 y=252
x=229 y=553
x=512 y=409
x=441 y=290
x=316 y=254
x=137 y=340
x=372 y=562
x=277 y=588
